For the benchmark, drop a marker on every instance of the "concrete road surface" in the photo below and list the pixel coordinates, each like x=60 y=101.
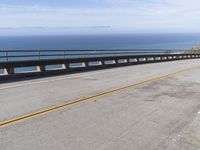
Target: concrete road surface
x=143 y=107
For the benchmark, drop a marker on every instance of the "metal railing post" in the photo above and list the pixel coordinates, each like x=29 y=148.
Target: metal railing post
x=7 y=56
x=39 y=54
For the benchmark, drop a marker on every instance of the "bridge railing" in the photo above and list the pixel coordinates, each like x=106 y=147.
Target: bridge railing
x=86 y=59
x=18 y=55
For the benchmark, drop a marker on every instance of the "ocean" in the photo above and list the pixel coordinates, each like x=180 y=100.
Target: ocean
x=101 y=41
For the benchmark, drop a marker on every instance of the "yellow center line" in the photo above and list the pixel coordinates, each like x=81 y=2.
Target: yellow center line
x=81 y=100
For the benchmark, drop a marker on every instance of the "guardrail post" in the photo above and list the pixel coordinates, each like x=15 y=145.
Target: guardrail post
x=8 y=71
x=39 y=53
x=86 y=64
x=64 y=53
x=127 y=60
x=41 y=68
x=113 y=61
x=102 y=62
x=116 y=61
x=6 y=56
x=163 y=58
x=65 y=66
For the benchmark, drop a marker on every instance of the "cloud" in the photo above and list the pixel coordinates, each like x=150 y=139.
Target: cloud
x=118 y=15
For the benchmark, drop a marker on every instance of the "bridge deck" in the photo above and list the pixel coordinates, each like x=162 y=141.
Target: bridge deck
x=150 y=106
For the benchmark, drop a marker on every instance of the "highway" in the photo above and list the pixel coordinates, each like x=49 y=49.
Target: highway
x=141 y=107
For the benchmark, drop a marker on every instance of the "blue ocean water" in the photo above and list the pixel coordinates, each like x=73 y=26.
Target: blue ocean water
x=103 y=41
x=111 y=41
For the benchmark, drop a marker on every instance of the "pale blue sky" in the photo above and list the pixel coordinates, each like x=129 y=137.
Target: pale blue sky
x=98 y=16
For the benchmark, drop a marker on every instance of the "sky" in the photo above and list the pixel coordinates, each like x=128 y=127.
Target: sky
x=98 y=16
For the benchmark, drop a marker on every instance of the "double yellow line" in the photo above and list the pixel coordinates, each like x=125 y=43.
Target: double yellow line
x=81 y=100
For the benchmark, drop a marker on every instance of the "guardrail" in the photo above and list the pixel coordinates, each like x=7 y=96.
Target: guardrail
x=9 y=60
x=18 y=55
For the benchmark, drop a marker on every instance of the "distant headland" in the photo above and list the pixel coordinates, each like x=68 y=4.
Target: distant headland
x=195 y=49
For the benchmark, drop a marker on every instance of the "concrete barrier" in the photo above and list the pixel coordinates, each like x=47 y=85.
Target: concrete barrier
x=10 y=66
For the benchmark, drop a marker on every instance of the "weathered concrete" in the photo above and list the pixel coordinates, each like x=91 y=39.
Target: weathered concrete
x=9 y=66
x=158 y=115
x=9 y=71
x=41 y=68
